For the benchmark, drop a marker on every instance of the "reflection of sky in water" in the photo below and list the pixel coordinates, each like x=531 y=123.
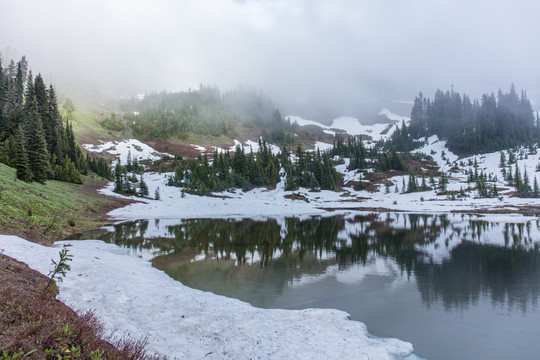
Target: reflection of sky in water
x=433 y=240
x=455 y=285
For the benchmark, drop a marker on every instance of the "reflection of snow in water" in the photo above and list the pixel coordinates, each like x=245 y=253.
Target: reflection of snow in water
x=449 y=230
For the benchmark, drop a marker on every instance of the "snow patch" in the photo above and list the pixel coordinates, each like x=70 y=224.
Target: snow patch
x=128 y=294
x=394 y=117
x=138 y=150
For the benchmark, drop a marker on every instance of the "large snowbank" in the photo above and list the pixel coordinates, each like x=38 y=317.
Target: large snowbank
x=128 y=294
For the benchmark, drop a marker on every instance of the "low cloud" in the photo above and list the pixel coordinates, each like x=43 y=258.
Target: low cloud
x=311 y=56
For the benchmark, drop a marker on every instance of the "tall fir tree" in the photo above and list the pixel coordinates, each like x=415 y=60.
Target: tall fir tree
x=29 y=98
x=3 y=90
x=21 y=157
x=71 y=146
x=143 y=188
x=53 y=121
x=37 y=146
x=18 y=87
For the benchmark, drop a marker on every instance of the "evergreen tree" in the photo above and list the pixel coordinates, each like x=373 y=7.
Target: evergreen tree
x=424 y=184
x=443 y=182
x=70 y=145
x=21 y=157
x=143 y=188
x=118 y=178
x=491 y=124
x=3 y=95
x=37 y=146
x=526 y=183
x=314 y=184
x=29 y=100
x=502 y=161
x=53 y=121
x=413 y=185
x=18 y=88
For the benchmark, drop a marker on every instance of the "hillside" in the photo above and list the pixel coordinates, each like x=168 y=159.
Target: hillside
x=48 y=212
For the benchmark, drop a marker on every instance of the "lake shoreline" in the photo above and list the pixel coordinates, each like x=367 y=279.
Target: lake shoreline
x=125 y=292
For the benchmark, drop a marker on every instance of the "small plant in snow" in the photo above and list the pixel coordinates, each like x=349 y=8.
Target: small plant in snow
x=61 y=267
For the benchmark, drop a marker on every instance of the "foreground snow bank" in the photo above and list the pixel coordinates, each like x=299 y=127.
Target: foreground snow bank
x=128 y=294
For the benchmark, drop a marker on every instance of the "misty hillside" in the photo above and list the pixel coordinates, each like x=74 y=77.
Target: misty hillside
x=206 y=111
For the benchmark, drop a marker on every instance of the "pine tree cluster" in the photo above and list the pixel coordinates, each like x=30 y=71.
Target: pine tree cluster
x=360 y=158
x=315 y=171
x=126 y=180
x=401 y=140
x=491 y=124
x=239 y=170
x=33 y=136
x=515 y=178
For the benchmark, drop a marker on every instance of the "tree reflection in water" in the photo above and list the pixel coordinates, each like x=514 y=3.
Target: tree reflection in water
x=454 y=258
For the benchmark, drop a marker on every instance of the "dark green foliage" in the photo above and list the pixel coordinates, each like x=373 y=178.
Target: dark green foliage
x=240 y=170
x=413 y=184
x=53 y=122
x=66 y=171
x=487 y=125
x=98 y=165
x=522 y=184
x=118 y=178
x=143 y=188
x=246 y=170
x=37 y=145
x=310 y=169
x=443 y=182
x=112 y=123
x=379 y=159
x=21 y=157
x=122 y=181
x=401 y=140
x=353 y=149
x=3 y=92
x=30 y=122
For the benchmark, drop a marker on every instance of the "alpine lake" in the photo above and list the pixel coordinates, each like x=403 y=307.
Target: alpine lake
x=457 y=286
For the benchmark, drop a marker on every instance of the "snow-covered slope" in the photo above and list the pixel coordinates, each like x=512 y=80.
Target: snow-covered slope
x=352 y=125
x=128 y=294
x=277 y=201
x=122 y=149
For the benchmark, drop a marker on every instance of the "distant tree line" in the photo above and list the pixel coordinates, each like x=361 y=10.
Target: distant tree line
x=470 y=127
x=204 y=111
x=33 y=137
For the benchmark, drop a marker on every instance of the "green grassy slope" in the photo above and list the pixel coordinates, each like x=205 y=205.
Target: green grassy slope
x=44 y=213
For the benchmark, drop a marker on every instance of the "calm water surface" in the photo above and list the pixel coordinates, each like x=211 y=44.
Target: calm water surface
x=455 y=286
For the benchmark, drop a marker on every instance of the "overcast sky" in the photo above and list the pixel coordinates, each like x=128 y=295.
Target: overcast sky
x=326 y=54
